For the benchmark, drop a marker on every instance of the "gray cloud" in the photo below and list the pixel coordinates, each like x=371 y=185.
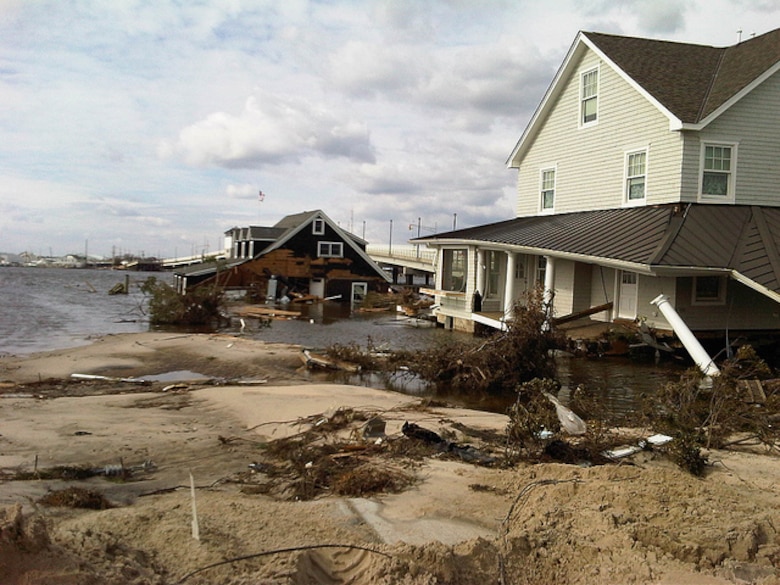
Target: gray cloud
x=270 y=130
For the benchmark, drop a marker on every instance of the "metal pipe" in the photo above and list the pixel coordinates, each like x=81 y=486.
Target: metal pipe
x=689 y=341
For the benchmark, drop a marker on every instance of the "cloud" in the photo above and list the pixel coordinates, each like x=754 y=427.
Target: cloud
x=271 y=130
x=245 y=191
x=661 y=16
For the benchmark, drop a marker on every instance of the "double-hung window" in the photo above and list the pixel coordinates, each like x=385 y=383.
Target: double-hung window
x=548 y=189
x=318 y=227
x=636 y=176
x=330 y=249
x=717 y=176
x=589 y=97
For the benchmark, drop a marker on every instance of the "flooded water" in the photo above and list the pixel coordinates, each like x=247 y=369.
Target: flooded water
x=46 y=309
x=54 y=308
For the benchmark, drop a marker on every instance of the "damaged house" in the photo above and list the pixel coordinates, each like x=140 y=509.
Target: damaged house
x=303 y=254
x=649 y=168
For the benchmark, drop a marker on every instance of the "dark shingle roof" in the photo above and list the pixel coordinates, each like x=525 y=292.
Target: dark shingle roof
x=725 y=237
x=691 y=81
x=628 y=235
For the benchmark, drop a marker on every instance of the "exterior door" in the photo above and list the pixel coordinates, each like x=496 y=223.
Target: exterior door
x=317 y=287
x=359 y=292
x=629 y=289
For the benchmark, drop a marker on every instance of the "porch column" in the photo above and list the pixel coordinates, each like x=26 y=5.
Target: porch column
x=481 y=271
x=509 y=289
x=549 y=280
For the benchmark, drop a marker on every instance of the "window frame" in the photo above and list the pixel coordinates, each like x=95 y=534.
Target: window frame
x=542 y=190
x=628 y=177
x=318 y=227
x=583 y=99
x=493 y=265
x=731 y=174
x=541 y=270
x=454 y=269
x=719 y=299
x=334 y=249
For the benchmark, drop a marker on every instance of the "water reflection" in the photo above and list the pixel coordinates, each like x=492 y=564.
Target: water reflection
x=618 y=384
x=44 y=309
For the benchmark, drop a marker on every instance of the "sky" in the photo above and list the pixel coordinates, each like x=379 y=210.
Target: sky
x=150 y=127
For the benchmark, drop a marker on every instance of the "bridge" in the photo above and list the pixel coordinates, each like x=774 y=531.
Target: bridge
x=416 y=263
x=195 y=259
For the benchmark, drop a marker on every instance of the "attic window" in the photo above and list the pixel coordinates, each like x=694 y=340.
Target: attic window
x=589 y=88
x=318 y=227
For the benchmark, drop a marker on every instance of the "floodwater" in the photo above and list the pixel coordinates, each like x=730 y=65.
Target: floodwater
x=44 y=309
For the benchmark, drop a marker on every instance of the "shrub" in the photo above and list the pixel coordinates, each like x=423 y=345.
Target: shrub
x=198 y=306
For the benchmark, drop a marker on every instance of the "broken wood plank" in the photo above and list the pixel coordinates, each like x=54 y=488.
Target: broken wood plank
x=584 y=313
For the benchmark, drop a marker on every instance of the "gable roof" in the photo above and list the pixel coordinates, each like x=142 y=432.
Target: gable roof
x=691 y=84
x=663 y=240
x=297 y=222
x=691 y=81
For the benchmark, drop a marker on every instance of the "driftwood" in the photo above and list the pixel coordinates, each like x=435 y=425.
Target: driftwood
x=312 y=360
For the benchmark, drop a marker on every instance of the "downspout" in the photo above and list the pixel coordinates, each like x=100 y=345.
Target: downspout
x=689 y=341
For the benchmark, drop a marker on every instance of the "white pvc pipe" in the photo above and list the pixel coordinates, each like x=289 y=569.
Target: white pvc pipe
x=697 y=352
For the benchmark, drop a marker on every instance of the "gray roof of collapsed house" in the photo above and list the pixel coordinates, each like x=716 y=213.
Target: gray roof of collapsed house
x=742 y=238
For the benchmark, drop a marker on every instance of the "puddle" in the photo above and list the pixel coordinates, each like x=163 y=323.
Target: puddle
x=175 y=376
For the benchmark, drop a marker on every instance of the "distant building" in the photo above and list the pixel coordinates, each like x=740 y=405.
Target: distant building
x=305 y=254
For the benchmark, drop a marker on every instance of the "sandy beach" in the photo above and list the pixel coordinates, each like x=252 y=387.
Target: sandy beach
x=262 y=447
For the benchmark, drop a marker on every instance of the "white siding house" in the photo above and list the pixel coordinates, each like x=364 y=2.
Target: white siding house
x=648 y=168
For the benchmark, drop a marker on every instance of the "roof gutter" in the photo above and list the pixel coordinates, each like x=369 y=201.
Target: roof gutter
x=587 y=259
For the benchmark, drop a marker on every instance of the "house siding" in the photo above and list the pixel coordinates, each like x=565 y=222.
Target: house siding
x=753 y=123
x=564 y=287
x=744 y=309
x=590 y=161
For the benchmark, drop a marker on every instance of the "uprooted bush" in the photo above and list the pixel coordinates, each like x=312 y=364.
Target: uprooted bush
x=199 y=306
x=532 y=416
x=497 y=364
x=703 y=413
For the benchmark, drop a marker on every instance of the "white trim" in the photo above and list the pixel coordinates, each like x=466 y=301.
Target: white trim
x=734 y=99
x=542 y=209
x=730 y=196
x=581 y=123
x=318 y=226
x=635 y=202
x=337 y=246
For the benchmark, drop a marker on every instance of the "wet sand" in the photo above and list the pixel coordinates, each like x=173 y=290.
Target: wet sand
x=642 y=521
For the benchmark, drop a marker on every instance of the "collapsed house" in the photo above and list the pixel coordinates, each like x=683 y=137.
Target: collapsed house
x=305 y=254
